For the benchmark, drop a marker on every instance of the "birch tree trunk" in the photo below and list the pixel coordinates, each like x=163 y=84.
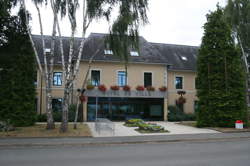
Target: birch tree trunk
x=47 y=76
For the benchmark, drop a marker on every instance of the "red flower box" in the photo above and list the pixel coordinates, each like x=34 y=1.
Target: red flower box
x=163 y=89
x=114 y=87
x=140 y=88
x=102 y=88
x=126 y=88
x=239 y=121
x=150 y=88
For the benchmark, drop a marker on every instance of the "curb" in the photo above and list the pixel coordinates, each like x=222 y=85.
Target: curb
x=118 y=142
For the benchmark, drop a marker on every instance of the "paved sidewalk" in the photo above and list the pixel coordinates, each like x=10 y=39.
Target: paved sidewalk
x=172 y=127
x=24 y=142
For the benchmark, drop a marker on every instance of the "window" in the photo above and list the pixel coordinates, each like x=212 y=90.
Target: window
x=57 y=105
x=147 y=79
x=178 y=82
x=108 y=52
x=122 y=79
x=95 y=77
x=184 y=58
x=134 y=53
x=57 y=78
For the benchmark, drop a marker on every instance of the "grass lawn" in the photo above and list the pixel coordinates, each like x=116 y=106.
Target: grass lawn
x=220 y=129
x=39 y=130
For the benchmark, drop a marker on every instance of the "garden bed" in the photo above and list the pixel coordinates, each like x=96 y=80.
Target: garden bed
x=145 y=127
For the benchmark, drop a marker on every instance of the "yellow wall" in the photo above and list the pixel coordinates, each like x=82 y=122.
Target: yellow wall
x=109 y=72
x=188 y=87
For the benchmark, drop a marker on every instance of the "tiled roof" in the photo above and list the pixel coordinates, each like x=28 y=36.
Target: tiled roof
x=178 y=56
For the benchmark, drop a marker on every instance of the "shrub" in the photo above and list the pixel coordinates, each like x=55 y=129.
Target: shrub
x=150 y=127
x=41 y=118
x=175 y=114
x=133 y=122
x=140 y=88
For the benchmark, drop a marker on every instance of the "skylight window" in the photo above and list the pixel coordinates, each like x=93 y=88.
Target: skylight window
x=184 y=58
x=134 y=53
x=47 y=50
x=108 y=52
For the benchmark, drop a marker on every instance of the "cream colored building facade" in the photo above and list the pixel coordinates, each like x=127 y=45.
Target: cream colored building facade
x=143 y=68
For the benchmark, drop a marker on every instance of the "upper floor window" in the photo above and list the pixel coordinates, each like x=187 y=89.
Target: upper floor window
x=178 y=82
x=147 y=79
x=122 y=79
x=95 y=77
x=108 y=52
x=57 y=78
x=134 y=53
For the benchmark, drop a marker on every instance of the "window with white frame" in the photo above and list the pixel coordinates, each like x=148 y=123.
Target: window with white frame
x=95 y=77
x=122 y=78
x=178 y=82
x=134 y=53
x=57 y=78
x=147 y=79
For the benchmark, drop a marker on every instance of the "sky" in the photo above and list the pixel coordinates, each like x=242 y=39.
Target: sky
x=170 y=21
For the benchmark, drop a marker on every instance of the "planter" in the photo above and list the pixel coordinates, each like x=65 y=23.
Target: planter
x=102 y=88
x=163 y=89
x=126 y=88
x=140 y=88
x=150 y=88
x=115 y=87
x=90 y=87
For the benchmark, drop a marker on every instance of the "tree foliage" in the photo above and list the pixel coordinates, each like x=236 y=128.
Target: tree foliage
x=237 y=13
x=221 y=77
x=17 y=75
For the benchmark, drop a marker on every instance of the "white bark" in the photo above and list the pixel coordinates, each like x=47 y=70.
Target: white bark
x=47 y=76
x=23 y=5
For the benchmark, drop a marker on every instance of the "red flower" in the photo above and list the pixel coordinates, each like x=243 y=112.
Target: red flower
x=114 y=87
x=126 y=88
x=150 y=88
x=82 y=98
x=102 y=88
x=140 y=88
x=163 y=89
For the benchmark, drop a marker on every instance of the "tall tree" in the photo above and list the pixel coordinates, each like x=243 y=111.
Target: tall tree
x=221 y=97
x=17 y=75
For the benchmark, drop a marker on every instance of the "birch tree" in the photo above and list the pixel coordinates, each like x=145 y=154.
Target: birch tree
x=123 y=36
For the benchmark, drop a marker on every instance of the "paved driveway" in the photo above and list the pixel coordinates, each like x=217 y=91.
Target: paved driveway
x=172 y=127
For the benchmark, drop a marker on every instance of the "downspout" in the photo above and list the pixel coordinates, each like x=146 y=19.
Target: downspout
x=41 y=95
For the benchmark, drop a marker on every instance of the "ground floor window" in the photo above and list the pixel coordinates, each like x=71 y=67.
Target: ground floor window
x=117 y=109
x=57 y=105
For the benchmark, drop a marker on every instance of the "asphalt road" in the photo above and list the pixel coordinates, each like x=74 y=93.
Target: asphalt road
x=209 y=153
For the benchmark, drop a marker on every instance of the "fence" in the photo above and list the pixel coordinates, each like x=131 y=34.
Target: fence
x=104 y=125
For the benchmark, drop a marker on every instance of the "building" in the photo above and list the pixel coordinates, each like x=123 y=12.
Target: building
x=155 y=65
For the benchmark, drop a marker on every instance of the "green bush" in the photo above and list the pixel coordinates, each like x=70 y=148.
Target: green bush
x=133 y=122
x=41 y=118
x=175 y=114
x=57 y=115
x=150 y=127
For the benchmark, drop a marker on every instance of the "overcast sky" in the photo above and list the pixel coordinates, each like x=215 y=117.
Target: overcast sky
x=171 y=21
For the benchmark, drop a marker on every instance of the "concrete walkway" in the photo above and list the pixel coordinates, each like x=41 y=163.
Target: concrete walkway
x=172 y=127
